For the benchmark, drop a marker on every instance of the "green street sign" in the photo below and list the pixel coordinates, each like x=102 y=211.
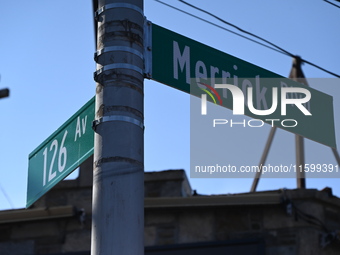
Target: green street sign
x=61 y=153
x=195 y=68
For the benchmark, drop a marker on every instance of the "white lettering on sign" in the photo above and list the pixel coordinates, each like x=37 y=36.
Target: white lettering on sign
x=182 y=64
x=248 y=93
x=182 y=60
x=81 y=127
x=62 y=157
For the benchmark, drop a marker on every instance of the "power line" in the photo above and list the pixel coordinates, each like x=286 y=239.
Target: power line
x=6 y=196
x=238 y=28
x=274 y=46
x=223 y=28
x=258 y=37
x=332 y=3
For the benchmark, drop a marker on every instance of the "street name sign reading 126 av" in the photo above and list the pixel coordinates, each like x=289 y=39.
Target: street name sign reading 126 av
x=185 y=64
x=61 y=153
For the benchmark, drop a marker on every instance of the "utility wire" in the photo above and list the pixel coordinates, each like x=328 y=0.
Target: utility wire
x=310 y=219
x=228 y=30
x=332 y=3
x=6 y=196
x=274 y=46
x=238 y=28
x=258 y=37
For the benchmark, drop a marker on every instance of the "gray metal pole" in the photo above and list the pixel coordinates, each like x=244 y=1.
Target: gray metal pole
x=300 y=162
x=297 y=75
x=263 y=158
x=118 y=177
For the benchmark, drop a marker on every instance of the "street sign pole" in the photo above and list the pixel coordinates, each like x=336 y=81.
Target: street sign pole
x=297 y=74
x=118 y=176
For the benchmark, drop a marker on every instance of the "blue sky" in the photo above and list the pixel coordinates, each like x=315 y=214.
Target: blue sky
x=47 y=62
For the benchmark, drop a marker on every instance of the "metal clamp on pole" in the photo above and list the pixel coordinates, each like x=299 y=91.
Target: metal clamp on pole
x=117 y=48
x=117 y=66
x=95 y=123
x=148 y=48
x=117 y=5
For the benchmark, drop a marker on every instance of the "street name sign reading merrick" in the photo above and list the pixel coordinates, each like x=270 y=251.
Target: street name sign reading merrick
x=193 y=67
x=61 y=153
